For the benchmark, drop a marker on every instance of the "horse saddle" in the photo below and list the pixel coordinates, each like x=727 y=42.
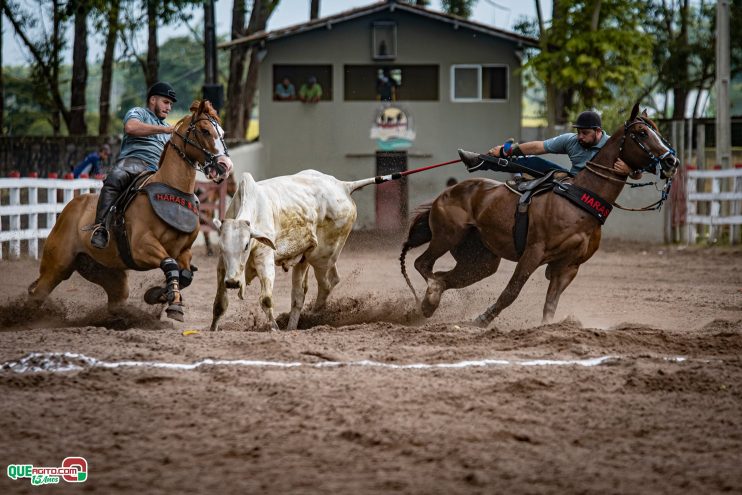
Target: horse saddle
x=527 y=189
x=176 y=208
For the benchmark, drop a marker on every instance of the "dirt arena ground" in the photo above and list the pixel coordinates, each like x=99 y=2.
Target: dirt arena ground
x=636 y=389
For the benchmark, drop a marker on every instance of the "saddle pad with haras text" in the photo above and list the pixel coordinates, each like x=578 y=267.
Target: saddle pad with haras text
x=174 y=207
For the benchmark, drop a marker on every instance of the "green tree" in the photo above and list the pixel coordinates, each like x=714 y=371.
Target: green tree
x=591 y=51
x=461 y=8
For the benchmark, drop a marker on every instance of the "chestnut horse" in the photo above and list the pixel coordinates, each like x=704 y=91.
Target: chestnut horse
x=474 y=220
x=196 y=144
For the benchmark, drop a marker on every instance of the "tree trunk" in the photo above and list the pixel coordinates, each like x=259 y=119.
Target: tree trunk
x=153 y=62
x=556 y=111
x=2 y=82
x=79 y=81
x=262 y=11
x=251 y=86
x=234 y=109
x=56 y=121
x=314 y=9
x=680 y=92
x=104 y=108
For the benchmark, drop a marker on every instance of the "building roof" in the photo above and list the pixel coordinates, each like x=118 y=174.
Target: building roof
x=390 y=5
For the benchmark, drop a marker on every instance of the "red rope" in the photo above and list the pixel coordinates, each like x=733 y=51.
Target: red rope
x=422 y=169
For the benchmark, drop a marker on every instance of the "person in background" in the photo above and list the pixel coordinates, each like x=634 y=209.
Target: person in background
x=285 y=91
x=386 y=87
x=91 y=164
x=311 y=91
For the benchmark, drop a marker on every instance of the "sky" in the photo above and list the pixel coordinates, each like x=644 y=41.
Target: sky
x=500 y=13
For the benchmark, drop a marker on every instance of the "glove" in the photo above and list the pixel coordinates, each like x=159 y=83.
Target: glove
x=510 y=148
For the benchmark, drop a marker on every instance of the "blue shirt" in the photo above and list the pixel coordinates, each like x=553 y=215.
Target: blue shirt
x=285 y=92
x=90 y=165
x=147 y=148
x=567 y=144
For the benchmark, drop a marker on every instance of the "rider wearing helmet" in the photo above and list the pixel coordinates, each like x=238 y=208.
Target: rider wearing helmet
x=580 y=146
x=145 y=135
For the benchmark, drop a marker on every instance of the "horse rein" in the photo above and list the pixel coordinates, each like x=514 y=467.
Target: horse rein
x=211 y=158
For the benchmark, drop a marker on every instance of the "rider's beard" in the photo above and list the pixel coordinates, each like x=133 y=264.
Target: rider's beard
x=587 y=143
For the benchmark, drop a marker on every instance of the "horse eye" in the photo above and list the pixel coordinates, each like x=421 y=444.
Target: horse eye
x=643 y=134
x=205 y=132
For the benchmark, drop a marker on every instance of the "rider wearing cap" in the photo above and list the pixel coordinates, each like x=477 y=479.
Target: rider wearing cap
x=581 y=147
x=145 y=135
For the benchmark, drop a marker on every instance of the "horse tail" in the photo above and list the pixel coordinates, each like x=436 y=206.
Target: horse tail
x=418 y=235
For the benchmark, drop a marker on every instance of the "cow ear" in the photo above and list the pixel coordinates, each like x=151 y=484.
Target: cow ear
x=218 y=224
x=260 y=237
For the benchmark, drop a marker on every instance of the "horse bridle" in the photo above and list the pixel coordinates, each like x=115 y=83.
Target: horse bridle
x=210 y=160
x=654 y=159
x=651 y=167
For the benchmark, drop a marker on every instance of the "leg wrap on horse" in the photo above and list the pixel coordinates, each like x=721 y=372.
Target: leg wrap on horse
x=172 y=277
x=186 y=277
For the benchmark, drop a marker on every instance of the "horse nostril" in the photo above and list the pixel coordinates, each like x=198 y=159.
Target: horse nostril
x=232 y=284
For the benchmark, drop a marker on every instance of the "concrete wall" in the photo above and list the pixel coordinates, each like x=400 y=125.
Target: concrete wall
x=333 y=136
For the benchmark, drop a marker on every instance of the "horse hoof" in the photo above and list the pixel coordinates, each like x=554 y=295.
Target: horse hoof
x=175 y=312
x=155 y=295
x=432 y=298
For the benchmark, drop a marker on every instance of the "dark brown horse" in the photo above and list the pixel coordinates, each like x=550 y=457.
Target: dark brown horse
x=196 y=144
x=474 y=220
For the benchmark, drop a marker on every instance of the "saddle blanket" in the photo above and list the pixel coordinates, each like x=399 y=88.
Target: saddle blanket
x=176 y=208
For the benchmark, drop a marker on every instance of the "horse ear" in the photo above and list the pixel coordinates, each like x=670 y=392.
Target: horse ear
x=634 y=112
x=644 y=114
x=195 y=105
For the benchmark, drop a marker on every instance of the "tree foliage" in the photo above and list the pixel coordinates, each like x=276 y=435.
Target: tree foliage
x=594 y=49
x=461 y=8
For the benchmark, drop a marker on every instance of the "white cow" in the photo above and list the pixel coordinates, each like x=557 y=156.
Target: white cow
x=299 y=221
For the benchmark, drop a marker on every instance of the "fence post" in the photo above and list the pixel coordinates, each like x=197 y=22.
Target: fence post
x=736 y=207
x=691 y=187
x=33 y=222
x=715 y=208
x=15 y=223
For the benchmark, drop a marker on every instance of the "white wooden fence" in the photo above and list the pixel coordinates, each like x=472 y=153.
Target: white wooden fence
x=721 y=190
x=20 y=197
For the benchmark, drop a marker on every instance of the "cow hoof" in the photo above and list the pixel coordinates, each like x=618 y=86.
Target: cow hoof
x=175 y=312
x=481 y=321
x=155 y=295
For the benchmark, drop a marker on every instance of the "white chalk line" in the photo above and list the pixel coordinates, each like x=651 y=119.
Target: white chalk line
x=60 y=362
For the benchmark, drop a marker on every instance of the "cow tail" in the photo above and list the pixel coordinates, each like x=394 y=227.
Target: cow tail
x=356 y=185
x=418 y=235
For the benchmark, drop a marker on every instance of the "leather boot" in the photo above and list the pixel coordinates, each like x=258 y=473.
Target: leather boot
x=470 y=159
x=108 y=196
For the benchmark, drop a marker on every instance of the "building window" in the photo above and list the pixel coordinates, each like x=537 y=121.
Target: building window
x=479 y=82
x=384 y=41
x=296 y=76
x=410 y=82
